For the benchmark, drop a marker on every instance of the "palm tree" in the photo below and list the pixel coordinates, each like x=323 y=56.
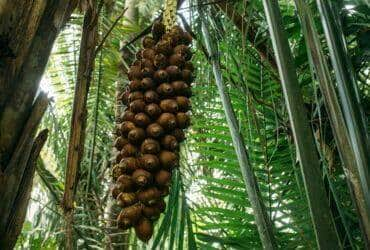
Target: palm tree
x=209 y=206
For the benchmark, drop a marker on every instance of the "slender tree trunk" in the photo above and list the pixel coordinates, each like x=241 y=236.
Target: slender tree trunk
x=79 y=116
x=351 y=106
x=324 y=226
x=336 y=117
x=263 y=222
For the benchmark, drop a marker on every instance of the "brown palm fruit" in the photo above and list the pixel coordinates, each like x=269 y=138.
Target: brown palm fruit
x=150 y=146
x=137 y=106
x=147 y=83
x=187 y=76
x=165 y=90
x=148 y=42
x=171 y=38
x=117 y=171
x=129 y=150
x=134 y=73
x=128 y=116
x=164 y=47
x=154 y=130
x=183 y=51
x=151 y=212
x=176 y=30
x=144 y=229
x=146 y=63
x=142 y=120
x=177 y=60
x=183 y=103
x=135 y=85
x=169 y=105
x=118 y=157
x=149 y=162
x=179 y=87
x=128 y=165
x=126 y=127
x=137 y=63
x=139 y=54
x=187 y=92
x=150 y=96
x=158 y=30
x=161 y=76
x=120 y=142
x=153 y=110
x=130 y=215
x=125 y=183
x=183 y=120
x=167 y=121
x=149 y=196
x=137 y=95
x=151 y=129
x=115 y=191
x=169 y=142
x=136 y=136
x=160 y=61
x=123 y=223
x=189 y=66
x=124 y=97
x=142 y=177
x=126 y=199
x=147 y=72
x=117 y=129
x=168 y=159
x=148 y=54
x=173 y=72
x=162 y=178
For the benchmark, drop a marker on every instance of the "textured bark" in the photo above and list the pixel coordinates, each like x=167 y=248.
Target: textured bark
x=19 y=211
x=79 y=115
x=24 y=85
x=27 y=33
x=10 y=180
x=19 y=22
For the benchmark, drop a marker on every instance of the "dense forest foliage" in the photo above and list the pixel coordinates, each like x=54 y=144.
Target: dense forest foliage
x=244 y=72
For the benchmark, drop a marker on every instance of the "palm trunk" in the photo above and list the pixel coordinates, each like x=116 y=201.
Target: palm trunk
x=323 y=223
x=79 y=116
x=336 y=117
x=27 y=33
x=263 y=222
x=350 y=102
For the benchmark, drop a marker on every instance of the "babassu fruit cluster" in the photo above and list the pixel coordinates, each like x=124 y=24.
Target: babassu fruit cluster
x=147 y=143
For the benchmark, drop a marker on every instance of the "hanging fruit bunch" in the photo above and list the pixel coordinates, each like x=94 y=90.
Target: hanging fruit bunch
x=157 y=100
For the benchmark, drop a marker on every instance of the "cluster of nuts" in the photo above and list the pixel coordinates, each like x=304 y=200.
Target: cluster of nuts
x=152 y=127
